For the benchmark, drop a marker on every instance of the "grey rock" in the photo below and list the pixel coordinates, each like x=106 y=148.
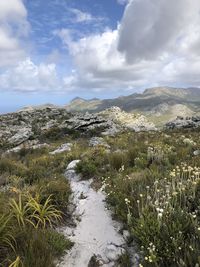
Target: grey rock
x=21 y=136
x=16 y=128
x=196 y=152
x=30 y=144
x=131 y=121
x=70 y=174
x=72 y=165
x=126 y=235
x=94 y=262
x=184 y=122
x=98 y=141
x=63 y=148
x=86 y=122
x=114 y=252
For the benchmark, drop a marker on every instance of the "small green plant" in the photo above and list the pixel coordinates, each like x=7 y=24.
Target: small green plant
x=58 y=242
x=7 y=238
x=16 y=263
x=117 y=160
x=43 y=214
x=86 y=168
x=19 y=210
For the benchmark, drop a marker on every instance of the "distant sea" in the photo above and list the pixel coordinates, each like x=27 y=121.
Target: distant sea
x=4 y=110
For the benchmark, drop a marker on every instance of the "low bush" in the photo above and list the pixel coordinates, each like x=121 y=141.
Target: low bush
x=87 y=169
x=31 y=204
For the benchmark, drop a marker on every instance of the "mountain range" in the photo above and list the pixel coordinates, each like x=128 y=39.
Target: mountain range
x=158 y=104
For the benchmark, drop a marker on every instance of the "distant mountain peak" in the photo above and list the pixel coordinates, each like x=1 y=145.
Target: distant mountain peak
x=77 y=98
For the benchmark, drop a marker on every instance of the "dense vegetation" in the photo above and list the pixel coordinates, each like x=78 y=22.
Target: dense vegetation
x=152 y=181
x=33 y=201
x=152 y=184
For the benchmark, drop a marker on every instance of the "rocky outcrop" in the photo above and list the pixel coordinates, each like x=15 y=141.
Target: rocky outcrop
x=184 y=122
x=29 y=124
x=132 y=121
x=21 y=136
x=87 y=121
x=16 y=128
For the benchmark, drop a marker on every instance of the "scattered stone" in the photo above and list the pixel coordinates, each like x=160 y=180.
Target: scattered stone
x=30 y=144
x=196 y=152
x=98 y=141
x=113 y=252
x=126 y=235
x=72 y=165
x=63 y=148
x=38 y=146
x=94 y=262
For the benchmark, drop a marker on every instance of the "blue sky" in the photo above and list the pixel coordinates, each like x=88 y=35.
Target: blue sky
x=52 y=51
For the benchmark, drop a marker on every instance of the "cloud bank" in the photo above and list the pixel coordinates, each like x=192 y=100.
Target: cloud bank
x=153 y=45
x=13 y=27
x=156 y=43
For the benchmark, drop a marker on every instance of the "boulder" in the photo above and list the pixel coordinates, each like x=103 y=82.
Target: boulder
x=196 y=152
x=98 y=141
x=21 y=136
x=63 y=148
x=72 y=165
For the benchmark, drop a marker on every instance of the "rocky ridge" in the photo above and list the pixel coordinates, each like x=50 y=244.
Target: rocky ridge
x=21 y=127
x=184 y=122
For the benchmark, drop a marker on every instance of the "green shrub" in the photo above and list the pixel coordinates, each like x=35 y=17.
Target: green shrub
x=117 y=160
x=34 y=249
x=58 y=243
x=11 y=167
x=86 y=168
x=37 y=247
x=59 y=188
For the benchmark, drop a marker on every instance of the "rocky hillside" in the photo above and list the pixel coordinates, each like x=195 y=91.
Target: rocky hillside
x=159 y=104
x=30 y=125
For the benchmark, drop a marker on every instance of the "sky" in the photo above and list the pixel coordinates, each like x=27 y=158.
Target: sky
x=52 y=51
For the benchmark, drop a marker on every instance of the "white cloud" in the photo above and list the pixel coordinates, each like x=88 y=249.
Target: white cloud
x=149 y=29
x=81 y=16
x=12 y=10
x=27 y=76
x=13 y=27
x=155 y=44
